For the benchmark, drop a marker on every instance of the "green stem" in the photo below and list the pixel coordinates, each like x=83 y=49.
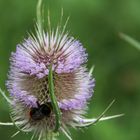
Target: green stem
x=51 y=136
x=130 y=40
x=39 y=15
x=47 y=136
x=54 y=100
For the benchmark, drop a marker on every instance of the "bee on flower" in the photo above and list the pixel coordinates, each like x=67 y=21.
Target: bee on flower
x=49 y=83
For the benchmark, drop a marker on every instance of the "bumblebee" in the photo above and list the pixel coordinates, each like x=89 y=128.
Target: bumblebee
x=40 y=112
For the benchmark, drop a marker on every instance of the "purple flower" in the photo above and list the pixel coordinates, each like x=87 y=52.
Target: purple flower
x=28 y=81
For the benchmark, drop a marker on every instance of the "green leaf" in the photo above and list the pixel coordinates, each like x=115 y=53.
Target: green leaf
x=54 y=100
x=5 y=97
x=130 y=40
x=93 y=121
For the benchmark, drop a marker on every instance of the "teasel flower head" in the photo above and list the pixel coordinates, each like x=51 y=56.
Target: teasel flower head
x=28 y=81
x=49 y=83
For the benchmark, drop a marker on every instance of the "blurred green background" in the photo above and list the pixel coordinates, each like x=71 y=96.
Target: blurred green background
x=96 y=23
